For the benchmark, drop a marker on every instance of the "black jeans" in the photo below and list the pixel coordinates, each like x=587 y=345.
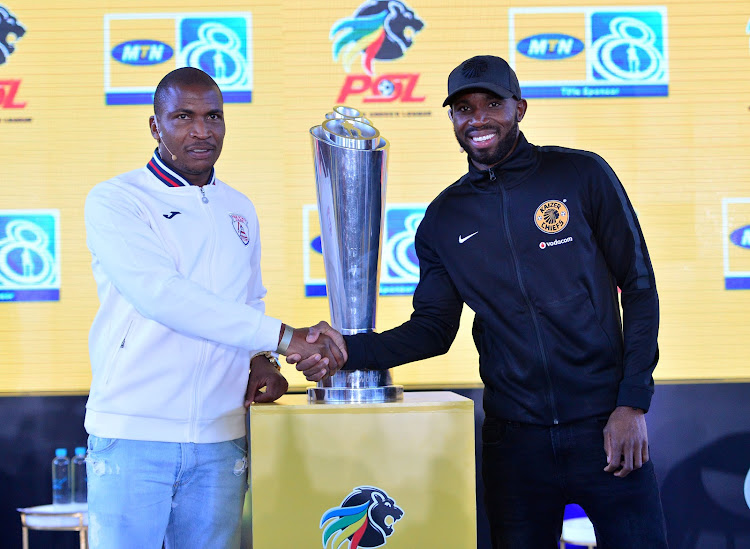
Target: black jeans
x=531 y=472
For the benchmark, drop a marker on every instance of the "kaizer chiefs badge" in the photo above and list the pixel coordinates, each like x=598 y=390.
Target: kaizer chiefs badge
x=551 y=216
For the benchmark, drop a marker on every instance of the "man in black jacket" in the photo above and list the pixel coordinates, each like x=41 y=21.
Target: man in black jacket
x=537 y=241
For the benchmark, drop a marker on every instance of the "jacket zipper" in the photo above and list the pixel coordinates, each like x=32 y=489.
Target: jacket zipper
x=122 y=345
x=202 y=361
x=115 y=358
x=534 y=318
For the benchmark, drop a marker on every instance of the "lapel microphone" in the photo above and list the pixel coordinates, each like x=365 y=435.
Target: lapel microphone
x=174 y=156
x=161 y=135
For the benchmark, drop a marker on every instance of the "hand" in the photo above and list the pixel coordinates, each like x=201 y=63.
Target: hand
x=317 y=367
x=264 y=374
x=625 y=441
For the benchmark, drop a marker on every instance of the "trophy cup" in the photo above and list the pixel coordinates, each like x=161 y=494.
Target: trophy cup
x=350 y=174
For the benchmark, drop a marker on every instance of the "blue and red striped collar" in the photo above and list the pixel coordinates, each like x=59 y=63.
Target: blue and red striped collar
x=170 y=177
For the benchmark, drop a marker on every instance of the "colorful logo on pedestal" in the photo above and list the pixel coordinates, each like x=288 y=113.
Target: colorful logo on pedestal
x=380 y=30
x=364 y=519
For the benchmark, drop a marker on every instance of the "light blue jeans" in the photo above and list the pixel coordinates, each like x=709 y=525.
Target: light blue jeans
x=144 y=494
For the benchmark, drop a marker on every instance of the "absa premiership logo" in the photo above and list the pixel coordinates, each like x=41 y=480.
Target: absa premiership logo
x=364 y=519
x=379 y=30
x=604 y=52
x=218 y=43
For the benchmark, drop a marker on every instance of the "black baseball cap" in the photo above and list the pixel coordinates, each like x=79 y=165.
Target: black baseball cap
x=483 y=72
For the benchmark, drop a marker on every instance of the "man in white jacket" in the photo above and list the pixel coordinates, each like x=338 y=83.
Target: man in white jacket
x=176 y=258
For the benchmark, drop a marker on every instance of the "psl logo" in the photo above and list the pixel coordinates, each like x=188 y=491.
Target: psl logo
x=380 y=30
x=364 y=519
x=10 y=31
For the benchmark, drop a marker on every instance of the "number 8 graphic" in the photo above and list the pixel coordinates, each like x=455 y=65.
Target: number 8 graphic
x=32 y=242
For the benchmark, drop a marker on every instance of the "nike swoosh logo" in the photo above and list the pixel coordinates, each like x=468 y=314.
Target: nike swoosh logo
x=462 y=239
x=171 y=215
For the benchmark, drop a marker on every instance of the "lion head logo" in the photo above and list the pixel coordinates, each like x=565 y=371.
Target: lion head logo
x=364 y=519
x=379 y=29
x=10 y=31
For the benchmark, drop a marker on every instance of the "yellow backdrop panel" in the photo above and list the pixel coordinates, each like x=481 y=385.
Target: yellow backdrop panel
x=676 y=131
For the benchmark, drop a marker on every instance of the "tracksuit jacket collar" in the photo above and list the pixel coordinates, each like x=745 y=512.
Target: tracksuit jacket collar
x=170 y=177
x=511 y=171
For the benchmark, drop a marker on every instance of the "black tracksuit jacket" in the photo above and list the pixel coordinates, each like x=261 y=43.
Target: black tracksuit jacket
x=537 y=247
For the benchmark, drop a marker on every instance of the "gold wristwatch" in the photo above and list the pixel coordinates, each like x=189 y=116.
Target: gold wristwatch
x=271 y=358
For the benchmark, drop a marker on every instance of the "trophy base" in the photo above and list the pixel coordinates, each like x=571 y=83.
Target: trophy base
x=356 y=386
x=346 y=395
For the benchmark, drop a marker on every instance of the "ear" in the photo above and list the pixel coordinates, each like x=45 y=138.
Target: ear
x=378 y=497
x=521 y=106
x=450 y=114
x=154 y=127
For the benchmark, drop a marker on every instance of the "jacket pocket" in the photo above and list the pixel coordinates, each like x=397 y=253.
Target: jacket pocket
x=100 y=444
x=495 y=432
x=573 y=335
x=119 y=350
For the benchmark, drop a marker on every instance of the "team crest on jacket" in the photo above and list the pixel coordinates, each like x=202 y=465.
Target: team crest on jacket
x=240 y=227
x=551 y=216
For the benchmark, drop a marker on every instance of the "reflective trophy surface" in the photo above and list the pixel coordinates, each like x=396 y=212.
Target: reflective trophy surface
x=351 y=160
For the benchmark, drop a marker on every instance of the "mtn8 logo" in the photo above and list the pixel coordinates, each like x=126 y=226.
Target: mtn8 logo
x=628 y=46
x=218 y=47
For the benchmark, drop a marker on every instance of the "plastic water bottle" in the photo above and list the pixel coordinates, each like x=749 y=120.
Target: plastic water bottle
x=78 y=472
x=61 y=477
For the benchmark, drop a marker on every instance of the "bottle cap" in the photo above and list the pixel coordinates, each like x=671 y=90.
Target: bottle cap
x=61 y=452
x=80 y=451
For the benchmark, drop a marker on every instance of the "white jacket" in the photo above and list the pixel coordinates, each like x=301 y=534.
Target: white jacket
x=178 y=275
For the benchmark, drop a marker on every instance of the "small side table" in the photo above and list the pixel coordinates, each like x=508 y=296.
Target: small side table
x=71 y=517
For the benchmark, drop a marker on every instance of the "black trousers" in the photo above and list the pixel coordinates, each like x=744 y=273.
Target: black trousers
x=531 y=472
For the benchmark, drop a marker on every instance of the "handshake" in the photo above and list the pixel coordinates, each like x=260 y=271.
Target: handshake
x=318 y=351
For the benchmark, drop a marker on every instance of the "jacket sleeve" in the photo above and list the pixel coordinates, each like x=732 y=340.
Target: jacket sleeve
x=432 y=327
x=620 y=238
x=142 y=271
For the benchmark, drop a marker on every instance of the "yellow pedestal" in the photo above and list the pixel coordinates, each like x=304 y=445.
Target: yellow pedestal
x=350 y=476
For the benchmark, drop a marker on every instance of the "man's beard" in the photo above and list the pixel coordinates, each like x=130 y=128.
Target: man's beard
x=493 y=156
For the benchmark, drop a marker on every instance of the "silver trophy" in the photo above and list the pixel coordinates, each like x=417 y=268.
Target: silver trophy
x=351 y=161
